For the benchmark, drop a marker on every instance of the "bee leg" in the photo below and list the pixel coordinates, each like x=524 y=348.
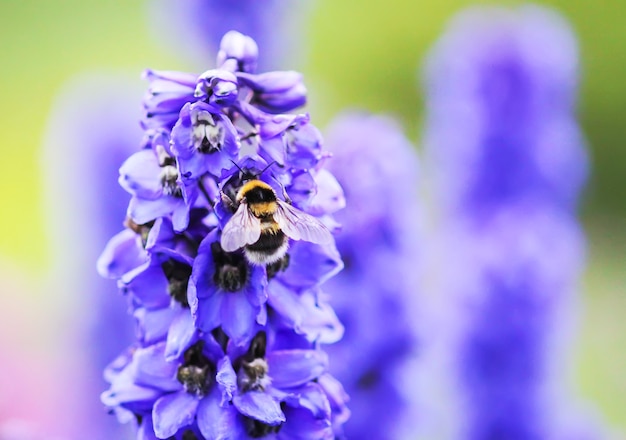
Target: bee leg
x=227 y=200
x=277 y=266
x=285 y=195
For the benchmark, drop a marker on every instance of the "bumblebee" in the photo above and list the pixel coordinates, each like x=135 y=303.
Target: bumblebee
x=263 y=224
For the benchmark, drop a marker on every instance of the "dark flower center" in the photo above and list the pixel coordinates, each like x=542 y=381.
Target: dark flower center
x=141 y=230
x=189 y=435
x=177 y=274
x=231 y=269
x=169 y=177
x=256 y=429
x=252 y=368
x=208 y=136
x=197 y=372
x=169 y=172
x=252 y=376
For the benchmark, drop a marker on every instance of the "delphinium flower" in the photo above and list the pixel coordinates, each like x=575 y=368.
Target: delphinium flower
x=194 y=28
x=228 y=240
x=509 y=162
x=377 y=167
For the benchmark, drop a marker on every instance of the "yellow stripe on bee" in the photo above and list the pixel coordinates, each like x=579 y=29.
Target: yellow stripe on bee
x=263 y=208
x=251 y=185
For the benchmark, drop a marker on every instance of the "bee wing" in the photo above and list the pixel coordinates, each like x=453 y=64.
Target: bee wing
x=242 y=229
x=300 y=225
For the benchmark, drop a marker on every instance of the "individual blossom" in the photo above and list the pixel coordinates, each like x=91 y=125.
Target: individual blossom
x=509 y=163
x=153 y=180
x=223 y=262
x=374 y=295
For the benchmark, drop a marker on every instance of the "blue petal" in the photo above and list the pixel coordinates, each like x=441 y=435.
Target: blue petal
x=140 y=175
x=255 y=289
x=329 y=197
x=151 y=369
x=181 y=335
x=302 y=425
x=204 y=268
x=238 y=316
x=173 y=412
x=312 y=397
x=143 y=210
x=216 y=422
x=207 y=314
x=311 y=265
x=148 y=285
x=153 y=324
x=122 y=253
x=259 y=406
x=227 y=379
x=292 y=368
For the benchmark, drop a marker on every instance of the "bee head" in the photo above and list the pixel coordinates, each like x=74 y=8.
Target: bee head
x=247 y=175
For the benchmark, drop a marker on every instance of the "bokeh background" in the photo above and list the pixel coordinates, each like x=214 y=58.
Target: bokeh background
x=355 y=54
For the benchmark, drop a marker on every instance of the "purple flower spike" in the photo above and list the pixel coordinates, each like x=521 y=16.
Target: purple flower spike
x=377 y=168
x=510 y=163
x=512 y=122
x=229 y=239
x=201 y=29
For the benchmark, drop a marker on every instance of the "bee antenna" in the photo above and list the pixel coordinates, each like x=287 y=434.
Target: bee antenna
x=265 y=169
x=238 y=167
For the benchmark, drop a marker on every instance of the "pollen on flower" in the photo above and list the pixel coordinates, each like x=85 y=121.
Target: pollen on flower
x=252 y=376
x=196 y=374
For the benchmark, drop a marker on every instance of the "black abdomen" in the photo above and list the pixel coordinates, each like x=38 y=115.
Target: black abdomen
x=268 y=242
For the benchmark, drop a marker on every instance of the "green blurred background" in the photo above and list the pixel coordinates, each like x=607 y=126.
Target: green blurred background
x=359 y=54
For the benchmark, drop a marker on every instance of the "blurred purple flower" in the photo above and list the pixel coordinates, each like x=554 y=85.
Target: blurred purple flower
x=194 y=28
x=92 y=128
x=509 y=161
x=501 y=112
x=374 y=295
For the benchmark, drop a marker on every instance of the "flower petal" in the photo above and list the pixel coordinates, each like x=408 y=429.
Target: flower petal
x=238 y=316
x=151 y=369
x=259 y=406
x=292 y=368
x=216 y=422
x=122 y=253
x=207 y=314
x=173 y=412
x=302 y=425
x=227 y=379
x=180 y=336
x=140 y=175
